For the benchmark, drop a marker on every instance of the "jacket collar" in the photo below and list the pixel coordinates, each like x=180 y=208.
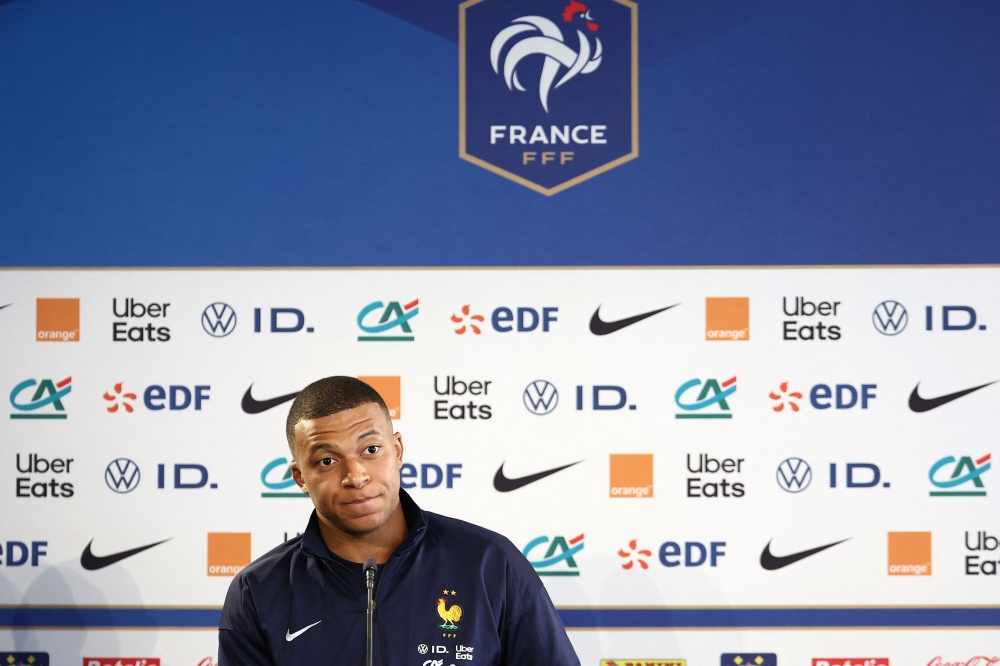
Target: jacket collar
x=312 y=544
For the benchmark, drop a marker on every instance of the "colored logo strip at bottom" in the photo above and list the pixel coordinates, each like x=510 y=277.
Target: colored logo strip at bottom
x=699 y=618
x=573 y=618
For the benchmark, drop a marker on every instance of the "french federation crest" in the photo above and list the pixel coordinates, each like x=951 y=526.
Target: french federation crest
x=548 y=89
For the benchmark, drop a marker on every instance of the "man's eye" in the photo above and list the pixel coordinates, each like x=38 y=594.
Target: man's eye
x=373 y=449
x=326 y=462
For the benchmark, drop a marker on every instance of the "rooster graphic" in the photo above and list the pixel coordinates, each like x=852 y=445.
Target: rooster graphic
x=450 y=616
x=543 y=37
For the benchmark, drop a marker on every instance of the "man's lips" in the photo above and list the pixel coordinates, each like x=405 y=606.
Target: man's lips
x=363 y=501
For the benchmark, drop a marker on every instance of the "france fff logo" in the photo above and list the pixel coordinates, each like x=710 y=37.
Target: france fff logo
x=548 y=89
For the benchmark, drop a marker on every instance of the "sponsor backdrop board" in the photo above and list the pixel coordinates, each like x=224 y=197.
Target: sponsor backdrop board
x=699 y=463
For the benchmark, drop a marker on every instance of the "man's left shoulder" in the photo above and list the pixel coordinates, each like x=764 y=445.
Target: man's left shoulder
x=459 y=534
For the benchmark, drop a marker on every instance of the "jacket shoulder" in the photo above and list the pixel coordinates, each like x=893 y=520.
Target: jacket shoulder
x=476 y=539
x=275 y=562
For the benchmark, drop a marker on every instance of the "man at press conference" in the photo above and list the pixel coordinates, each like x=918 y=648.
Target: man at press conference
x=443 y=592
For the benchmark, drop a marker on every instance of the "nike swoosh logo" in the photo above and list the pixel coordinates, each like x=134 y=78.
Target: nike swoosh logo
x=291 y=637
x=505 y=485
x=773 y=562
x=92 y=562
x=6 y=306
x=600 y=327
x=251 y=406
x=918 y=404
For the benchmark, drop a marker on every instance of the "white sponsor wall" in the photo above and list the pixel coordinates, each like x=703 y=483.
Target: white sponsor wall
x=219 y=451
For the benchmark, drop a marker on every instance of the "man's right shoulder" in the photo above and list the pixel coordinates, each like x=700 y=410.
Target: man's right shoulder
x=274 y=563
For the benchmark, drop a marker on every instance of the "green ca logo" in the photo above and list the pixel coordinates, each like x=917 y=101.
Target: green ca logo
x=973 y=470
x=719 y=393
x=47 y=394
x=392 y=316
x=566 y=551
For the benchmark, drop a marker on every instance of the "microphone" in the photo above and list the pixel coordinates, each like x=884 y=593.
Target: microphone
x=369 y=567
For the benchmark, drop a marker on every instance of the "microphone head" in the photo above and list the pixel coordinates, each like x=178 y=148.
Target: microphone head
x=369 y=565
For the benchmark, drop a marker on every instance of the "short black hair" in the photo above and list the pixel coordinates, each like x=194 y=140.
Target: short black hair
x=328 y=396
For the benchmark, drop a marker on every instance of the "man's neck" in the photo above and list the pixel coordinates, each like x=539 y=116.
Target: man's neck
x=379 y=543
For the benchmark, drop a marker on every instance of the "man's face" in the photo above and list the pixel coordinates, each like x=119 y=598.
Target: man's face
x=349 y=464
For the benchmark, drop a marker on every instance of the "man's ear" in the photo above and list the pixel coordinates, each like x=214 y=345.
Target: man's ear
x=297 y=475
x=398 y=445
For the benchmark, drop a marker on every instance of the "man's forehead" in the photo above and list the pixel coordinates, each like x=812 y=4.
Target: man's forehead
x=347 y=424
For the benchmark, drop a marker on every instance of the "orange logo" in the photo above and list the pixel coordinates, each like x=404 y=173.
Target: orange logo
x=631 y=475
x=909 y=553
x=388 y=388
x=57 y=319
x=727 y=319
x=228 y=552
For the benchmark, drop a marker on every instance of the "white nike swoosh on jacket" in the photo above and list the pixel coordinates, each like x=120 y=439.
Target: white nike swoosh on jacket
x=292 y=637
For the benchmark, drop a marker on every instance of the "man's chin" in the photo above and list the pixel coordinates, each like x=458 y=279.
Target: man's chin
x=359 y=524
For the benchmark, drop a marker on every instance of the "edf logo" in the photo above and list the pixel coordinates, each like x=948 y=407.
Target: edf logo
x=842 y=396
x=525 y=321
x=16 y=553
x=175 y=398
x=431 y=476
x=695 y=553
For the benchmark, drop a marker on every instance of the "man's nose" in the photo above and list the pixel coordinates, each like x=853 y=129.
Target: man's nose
x=357 y=475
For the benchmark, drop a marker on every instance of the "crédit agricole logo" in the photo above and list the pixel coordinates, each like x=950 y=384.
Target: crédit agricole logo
x=548 y=89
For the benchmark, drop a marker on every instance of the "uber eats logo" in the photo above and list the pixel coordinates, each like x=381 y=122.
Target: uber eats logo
x=454 y=406
x=706 y=484
x=139 y=322
x=43 y=477
x=812 y=320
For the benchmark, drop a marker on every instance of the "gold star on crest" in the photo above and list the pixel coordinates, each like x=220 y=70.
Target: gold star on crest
x=738 y=660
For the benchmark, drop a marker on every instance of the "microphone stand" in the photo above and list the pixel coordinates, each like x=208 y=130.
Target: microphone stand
x=369 y=568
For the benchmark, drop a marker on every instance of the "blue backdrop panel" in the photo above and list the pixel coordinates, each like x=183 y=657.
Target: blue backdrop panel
x=318 y=133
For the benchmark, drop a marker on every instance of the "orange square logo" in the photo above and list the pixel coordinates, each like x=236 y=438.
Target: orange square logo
x=909 y=553
x=388 y=388
x=727 y=319
x=57 y=319
x=228 y=552
x=631 y=475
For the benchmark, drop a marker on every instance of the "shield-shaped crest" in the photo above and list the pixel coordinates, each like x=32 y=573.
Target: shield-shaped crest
x=548 y=89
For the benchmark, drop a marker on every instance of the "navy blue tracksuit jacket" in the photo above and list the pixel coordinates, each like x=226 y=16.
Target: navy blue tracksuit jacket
x=451 y=594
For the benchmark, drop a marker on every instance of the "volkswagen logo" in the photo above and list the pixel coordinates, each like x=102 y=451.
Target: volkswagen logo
x=422 y=648
x=218 y=320
x=889 y=317
x=122 y=475
x=794 y=475
x=541 y=397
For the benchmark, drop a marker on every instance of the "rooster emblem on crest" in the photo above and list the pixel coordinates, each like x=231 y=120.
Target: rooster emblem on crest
x=543 y=37
x=450 y=616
